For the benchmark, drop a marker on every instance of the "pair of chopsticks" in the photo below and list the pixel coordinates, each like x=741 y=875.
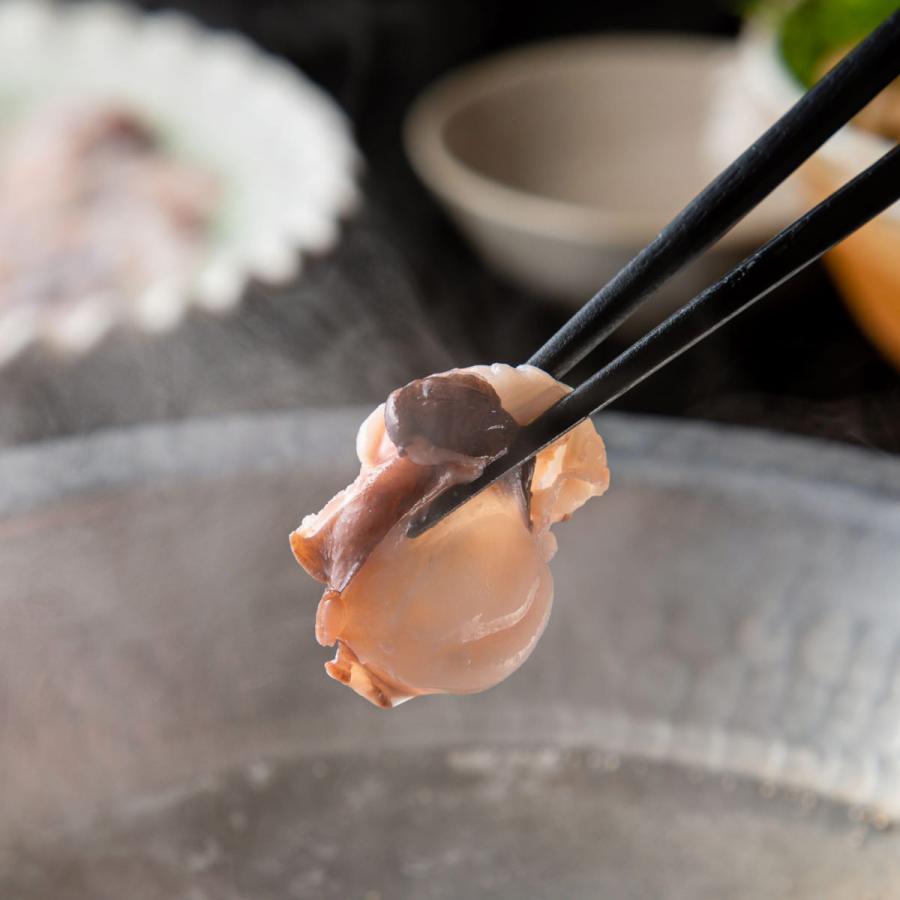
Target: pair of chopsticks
x=830 y=104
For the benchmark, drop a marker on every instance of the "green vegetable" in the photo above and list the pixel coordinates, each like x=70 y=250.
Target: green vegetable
x=813 y=30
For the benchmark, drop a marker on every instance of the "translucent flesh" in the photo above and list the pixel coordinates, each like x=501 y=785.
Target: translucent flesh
x=461 y=607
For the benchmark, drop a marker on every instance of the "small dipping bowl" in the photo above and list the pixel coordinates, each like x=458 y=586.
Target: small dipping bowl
x=560 y=161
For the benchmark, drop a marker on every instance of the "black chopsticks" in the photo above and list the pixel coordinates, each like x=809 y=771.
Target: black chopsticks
x=822 y=110
x=827 y=106
x=794 y=248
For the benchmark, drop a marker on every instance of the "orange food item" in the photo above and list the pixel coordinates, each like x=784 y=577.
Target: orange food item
x=864 y=265
x=461 y=607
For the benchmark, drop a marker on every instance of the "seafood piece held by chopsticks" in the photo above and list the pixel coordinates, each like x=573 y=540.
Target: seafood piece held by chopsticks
x=461 y=607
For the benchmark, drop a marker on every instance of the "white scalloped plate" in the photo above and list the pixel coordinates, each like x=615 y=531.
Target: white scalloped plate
x=280 y=148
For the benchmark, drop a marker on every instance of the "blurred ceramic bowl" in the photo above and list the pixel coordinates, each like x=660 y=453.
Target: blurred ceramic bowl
x=865 y=264
x=279 y=148
x=561 y=161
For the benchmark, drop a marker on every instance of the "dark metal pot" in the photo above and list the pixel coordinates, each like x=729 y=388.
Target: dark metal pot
x=714 y=710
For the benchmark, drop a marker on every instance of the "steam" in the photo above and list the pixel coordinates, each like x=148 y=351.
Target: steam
x=350 y=330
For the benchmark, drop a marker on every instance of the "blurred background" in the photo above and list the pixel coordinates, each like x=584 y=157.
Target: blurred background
x=399 y=292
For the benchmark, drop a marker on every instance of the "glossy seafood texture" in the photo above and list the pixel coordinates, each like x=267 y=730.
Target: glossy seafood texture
x=461 y=607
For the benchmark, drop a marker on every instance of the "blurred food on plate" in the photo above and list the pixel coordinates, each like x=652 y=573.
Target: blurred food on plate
x=150 y=165
x=95 y=211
